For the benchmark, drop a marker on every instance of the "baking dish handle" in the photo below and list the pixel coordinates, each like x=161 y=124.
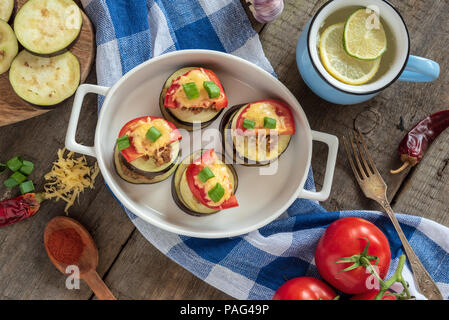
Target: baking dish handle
x=332 y=143
x=70 y=138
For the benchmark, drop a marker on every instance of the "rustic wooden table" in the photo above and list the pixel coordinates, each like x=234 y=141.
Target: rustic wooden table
x=133 y=268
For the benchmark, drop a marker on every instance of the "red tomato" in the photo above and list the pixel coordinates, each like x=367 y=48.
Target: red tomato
x=171 y=102
x=347 y=237
x=200 y=193
x=131 y=153
x=304 y=288
x=370 y=295
x=281 y=109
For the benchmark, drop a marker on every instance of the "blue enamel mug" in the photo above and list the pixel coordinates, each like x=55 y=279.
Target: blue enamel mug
x=403 y=67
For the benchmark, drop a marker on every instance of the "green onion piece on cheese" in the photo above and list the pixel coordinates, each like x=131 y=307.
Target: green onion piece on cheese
x=191 y=90
x=18 y=177
x=248 y=124
x=269 y=123
x=212 y=89
x=26 y=187
x=27 y=167
x=123 y=143
x=14 y=164
x=205 y=174
x=10 y=183
x=153 y=134
x=216 y=193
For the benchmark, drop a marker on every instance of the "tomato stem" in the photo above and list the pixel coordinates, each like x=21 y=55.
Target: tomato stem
x=396 y=277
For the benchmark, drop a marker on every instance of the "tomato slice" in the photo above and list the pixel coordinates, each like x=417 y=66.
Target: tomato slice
x=281 y=109
x=208 y=157
x=171 y=101
x=131 y=153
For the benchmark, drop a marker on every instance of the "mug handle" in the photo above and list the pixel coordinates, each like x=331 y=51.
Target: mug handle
x=70 y=138
x=332 y=143
x=420 y=69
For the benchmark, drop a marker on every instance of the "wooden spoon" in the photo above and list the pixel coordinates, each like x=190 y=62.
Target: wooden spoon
x=88 y=261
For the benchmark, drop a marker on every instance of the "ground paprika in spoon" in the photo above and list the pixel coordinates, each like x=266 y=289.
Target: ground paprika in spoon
x=65 y=245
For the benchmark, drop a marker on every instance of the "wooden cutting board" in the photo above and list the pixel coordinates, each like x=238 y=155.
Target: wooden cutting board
x=12 y=107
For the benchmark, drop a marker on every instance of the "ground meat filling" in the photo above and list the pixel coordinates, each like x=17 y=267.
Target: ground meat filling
x=162 y=155
x=197 y=110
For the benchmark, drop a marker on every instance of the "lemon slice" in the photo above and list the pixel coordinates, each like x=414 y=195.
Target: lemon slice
x=364 y=36
x=339 y=64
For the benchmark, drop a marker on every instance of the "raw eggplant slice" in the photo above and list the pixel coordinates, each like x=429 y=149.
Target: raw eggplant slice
x=6 y=7
x=48 y=26
x=8 y=46
x=133 y=177
x=184 y=118
x=44 y=81
x=181 y=193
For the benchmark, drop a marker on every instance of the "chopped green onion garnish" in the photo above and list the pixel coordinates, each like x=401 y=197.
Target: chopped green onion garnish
x=153 y=134
x=27 y=167
x=191 y=90
x=269 y=123
x=123 y=142
x=212 y=89
x=10 y=183
x=216 y=193
x=26 y=187
x=205 y=174
x=18 y=177
x=248 y=124
x=14 y=164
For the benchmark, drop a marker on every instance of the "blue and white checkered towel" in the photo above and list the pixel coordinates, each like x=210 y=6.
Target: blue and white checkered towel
x=252 y=266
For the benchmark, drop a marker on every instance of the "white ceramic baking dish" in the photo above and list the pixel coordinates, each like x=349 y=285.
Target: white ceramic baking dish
x=262 y=198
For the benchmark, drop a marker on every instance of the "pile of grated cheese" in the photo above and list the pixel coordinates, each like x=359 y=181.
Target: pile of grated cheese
x=68 y=178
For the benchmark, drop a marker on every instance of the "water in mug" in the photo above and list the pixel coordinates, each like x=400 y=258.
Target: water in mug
x=387 y=58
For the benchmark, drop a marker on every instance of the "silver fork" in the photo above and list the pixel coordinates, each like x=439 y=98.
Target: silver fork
x=374 y=187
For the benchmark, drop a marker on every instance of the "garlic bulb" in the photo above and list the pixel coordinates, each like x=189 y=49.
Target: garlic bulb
x=266 y=10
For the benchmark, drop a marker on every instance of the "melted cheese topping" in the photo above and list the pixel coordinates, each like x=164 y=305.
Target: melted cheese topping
x=258 y=111
x=222 y=177
x=198 y=76
x=68 y=178
x=141 y=143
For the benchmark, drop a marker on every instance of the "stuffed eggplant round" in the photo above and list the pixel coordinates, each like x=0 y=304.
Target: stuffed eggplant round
x=257 y=133
x=203 y=184
x=147 y=150
x=192 y=97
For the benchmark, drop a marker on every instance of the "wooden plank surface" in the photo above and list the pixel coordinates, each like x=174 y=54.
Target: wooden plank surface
x=132 y=267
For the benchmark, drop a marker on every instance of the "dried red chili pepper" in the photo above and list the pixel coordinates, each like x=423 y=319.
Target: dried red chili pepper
x=17 y=209
x=414 y=145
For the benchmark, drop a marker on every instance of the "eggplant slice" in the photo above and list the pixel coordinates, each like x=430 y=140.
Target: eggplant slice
x=6 y=7
x=44 y=81
x=8 y=46
x=240 y=152
x=181 y=193
x=134 y=172
x=48 y=26
x=184 y=118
